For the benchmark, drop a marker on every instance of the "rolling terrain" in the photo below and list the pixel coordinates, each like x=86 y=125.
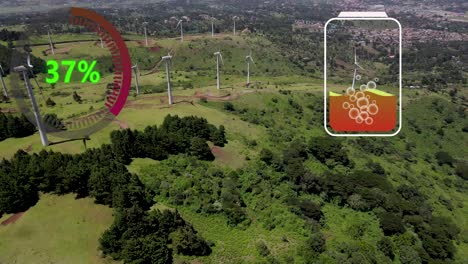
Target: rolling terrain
x=265 y=124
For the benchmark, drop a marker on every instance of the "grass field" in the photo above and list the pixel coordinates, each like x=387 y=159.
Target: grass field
x=58 y=229
x=260 y=111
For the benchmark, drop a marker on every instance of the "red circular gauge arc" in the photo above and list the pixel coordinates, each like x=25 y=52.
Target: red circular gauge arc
x=116 y=106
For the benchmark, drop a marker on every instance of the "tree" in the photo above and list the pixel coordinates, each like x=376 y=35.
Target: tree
x=228 y=106
x=391 y=224
x=310 y=209
x=262 y=248
x=316 y=243
x=76 y=97
x=444 y=158
x=186 y=241
x=326 y=148
x=408 y=255
x=17 y=193
x=386 y=246
x=266 y=156
x=150 y=249
x=200 y=149
x=50 y=102
x=218 y=136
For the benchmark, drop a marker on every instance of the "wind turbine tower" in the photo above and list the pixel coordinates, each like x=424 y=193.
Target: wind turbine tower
x=146 y=36
x=5 y=92
x=235 y=18
x=356 y=64
x=137 y=84
x=50 y=40
x=40 y=126
x=249 y=60
x=219 y=58
x=167 y=59
x=181 y=30
x=212 y=27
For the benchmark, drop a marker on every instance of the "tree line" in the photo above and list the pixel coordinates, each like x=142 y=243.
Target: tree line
x=137 y=235
x=12 y=126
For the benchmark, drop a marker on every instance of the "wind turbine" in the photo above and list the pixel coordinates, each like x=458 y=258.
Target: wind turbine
x=24 y=70
x=212 y=27
x=235 y=18
x=167 y=59
x=136 y=71
x=50 y=40
x=146 y=36
x=356 y=64
x=249 y=59
x=5 y=92
x=219 y=58
x=181 y=30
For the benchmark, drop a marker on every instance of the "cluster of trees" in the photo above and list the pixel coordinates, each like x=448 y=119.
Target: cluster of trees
x=136 y=236
x=14 y=126
x=6 y=35
x=185 y=180
x=139 y=236
x=175 y=135
x=365 y=190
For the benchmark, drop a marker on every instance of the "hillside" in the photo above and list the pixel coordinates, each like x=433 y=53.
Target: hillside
x=279 y=190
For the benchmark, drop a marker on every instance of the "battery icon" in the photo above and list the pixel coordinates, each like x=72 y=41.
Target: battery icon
x=362 y=75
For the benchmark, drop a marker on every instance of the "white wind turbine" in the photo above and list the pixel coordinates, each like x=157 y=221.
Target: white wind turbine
x=136 y=70
x=181 y=30
x=235 y=18
x=24 y=70
x=219 y=58
x=145 y=24
x=249 y=60
x=212 y=27
x=5 y=92
x=356 y=66
x=50 y=40
x=168 y=59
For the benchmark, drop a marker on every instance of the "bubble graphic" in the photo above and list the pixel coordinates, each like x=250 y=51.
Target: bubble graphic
x=371 y=85
x=350 y=91
x=346 y=105
x=359 y=120
x=352 y=98
x=358 y=77
x=360 y=95
x=376 y=80
x=373 y=109
x=369 y=120
x=354 y=113
x=364 y=115
x=362 y=102
x=363 y=88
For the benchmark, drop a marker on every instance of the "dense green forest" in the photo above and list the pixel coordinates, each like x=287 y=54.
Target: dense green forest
x=12 y=126
x=136 y=236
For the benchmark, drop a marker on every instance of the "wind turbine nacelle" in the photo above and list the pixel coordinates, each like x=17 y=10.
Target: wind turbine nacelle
x=167 y=57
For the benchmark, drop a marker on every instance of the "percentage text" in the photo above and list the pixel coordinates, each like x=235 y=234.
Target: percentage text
x=89 y=74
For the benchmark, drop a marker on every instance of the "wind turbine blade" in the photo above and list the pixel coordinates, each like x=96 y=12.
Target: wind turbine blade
x=252 y=60
x=359 y=66
x=28 y=61
x=1 y=69
x=178 y=24
x=221 y=56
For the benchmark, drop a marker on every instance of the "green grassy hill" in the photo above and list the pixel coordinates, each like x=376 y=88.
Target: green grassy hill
x=282 y=111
